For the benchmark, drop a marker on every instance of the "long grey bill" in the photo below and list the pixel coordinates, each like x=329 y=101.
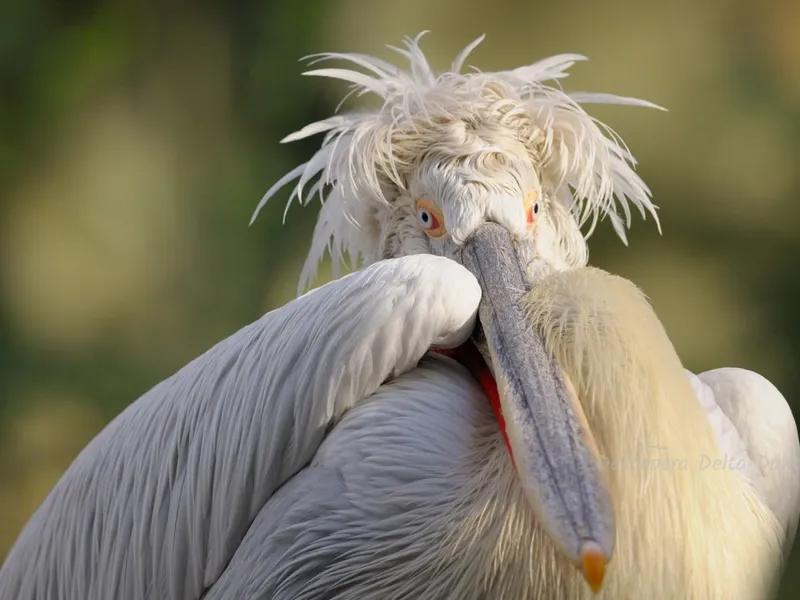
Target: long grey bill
x=552 y=449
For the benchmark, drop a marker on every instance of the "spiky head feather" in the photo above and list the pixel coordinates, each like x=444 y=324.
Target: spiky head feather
x=367 y=158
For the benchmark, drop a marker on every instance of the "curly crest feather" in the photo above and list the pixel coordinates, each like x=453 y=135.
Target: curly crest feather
x=366 y=158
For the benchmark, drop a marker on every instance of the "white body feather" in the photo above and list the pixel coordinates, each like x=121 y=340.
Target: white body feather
x=380 y=513
x=757 y=434
x=201 y=486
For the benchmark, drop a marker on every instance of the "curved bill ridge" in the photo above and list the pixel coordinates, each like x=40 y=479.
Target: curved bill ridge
x=554 y=452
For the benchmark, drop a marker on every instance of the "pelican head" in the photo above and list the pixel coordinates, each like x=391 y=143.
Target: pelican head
x=499 y=172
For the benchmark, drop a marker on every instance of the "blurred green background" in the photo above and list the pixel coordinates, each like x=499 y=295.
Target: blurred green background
x=136 y=138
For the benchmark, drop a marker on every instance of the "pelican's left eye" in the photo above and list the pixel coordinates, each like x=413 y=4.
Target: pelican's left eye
x=531 y=208
x=430 y=218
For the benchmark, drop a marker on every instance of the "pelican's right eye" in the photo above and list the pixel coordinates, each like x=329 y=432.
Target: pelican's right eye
x=430 y=218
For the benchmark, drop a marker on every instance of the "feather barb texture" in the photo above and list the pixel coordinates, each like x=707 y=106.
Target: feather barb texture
x=366 y=157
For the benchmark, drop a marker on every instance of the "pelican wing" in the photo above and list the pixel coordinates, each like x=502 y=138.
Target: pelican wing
x=758 y=437
x=158 y=503
x=369 y=518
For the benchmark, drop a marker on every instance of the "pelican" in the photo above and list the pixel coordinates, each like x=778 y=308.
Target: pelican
x=474 y=412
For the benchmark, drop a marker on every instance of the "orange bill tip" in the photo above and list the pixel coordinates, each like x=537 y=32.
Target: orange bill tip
x=593 y=565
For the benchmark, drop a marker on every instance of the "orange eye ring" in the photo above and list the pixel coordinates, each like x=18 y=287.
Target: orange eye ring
x=430 y=218
x=531 y=206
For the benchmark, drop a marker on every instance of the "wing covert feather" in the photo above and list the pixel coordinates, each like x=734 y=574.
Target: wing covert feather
x=157 y=504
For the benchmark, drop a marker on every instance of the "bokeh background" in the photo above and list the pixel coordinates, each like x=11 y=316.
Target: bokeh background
x=136 y=138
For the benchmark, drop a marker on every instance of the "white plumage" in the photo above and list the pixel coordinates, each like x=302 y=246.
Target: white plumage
x=368 y=158
x=322 y=452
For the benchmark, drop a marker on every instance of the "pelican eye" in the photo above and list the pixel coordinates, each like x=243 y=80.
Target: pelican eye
x=430 y=218
x=531 y=208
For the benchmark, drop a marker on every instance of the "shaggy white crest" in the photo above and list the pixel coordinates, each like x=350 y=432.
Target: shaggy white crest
x=366 y=158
